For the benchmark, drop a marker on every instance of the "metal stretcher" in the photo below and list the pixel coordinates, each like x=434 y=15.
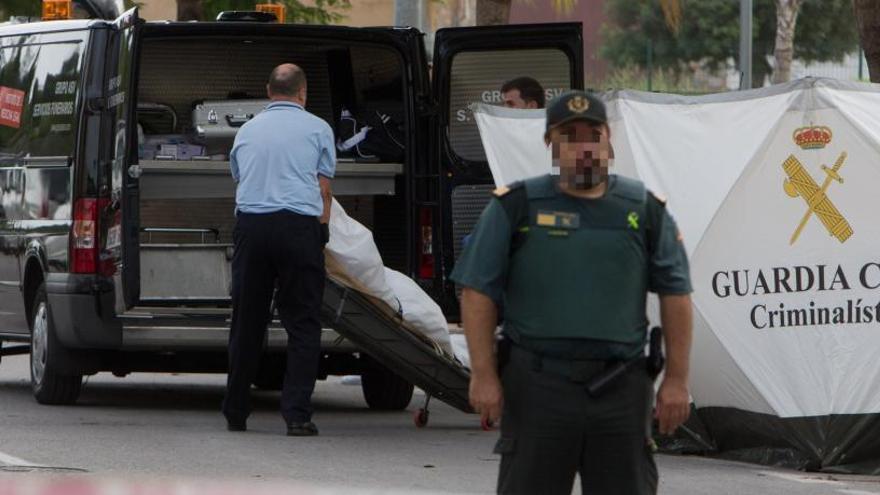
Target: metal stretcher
x=382 y=334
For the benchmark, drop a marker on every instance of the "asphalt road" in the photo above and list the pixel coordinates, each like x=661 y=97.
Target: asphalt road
x=161 y=428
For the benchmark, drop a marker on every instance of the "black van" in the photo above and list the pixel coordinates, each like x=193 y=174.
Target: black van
x=113 y=259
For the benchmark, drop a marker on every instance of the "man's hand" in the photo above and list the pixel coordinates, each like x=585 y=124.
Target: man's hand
x=673 y=405
x=479 y=316
x=673 y=402
x=486 y=397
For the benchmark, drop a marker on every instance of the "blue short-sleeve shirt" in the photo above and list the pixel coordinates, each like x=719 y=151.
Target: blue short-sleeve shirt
x=276 y=160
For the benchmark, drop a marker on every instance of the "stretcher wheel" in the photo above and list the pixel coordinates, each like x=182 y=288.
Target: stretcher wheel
x=420 y=418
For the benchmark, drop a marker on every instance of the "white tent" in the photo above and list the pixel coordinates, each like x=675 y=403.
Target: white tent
x=774 y=191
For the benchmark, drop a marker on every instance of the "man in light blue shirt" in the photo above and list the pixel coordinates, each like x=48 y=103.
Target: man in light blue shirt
x=282 y=160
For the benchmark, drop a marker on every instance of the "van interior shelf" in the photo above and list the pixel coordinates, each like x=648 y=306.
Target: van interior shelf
x=199 y=179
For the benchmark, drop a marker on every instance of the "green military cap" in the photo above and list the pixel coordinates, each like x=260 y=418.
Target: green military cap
x=575 y=105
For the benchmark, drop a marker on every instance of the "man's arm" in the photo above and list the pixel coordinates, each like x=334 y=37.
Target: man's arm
x=673 y=399
x=480 y=316
x=233 y=165
x=326 y=196
x=482 y=271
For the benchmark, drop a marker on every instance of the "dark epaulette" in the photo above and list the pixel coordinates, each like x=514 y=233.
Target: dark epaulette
x=502 y=191
x=660 y=199
x=630 y=189
x=655 y=207
x=513 y=201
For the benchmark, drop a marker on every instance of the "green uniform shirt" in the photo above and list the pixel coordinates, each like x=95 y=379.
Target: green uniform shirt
x=573 y=274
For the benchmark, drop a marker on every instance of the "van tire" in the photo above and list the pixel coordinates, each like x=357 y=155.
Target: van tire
x=383 y=389
x=47 y=383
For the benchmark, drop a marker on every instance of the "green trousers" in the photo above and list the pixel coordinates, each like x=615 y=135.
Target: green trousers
x=551 y=429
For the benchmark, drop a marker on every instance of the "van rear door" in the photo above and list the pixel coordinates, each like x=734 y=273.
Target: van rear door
x=471 y=65
x=122 y=233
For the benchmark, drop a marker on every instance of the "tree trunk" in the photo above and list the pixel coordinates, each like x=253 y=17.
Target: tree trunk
x=454 y=12
x=491 y=12
x=868 y=19
x=190 y=10
x=786 y=20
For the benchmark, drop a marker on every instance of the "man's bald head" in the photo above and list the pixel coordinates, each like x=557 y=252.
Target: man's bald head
x=287 y=82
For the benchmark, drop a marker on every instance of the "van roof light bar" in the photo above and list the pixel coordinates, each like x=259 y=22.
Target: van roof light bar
x=272 y=8
x=56 y=10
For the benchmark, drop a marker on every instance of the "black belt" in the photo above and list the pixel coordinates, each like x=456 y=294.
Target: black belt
x=595 y=374
x=276 y=213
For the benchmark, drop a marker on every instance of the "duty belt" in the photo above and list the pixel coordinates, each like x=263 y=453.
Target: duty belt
x=595 y=374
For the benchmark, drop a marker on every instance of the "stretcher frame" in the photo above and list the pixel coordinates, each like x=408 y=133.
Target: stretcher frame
x=374 y=327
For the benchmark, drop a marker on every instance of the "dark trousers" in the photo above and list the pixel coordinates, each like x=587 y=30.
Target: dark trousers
x=552 y=429
x=286 y=248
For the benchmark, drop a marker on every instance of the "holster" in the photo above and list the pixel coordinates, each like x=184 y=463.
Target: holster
x=654 y=363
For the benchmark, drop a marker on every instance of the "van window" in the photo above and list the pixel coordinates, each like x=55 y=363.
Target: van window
x=178 y=73
x=477 y=76
x=39 y=84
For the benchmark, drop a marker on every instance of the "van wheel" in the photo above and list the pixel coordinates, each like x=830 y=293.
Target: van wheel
x=384 y=390
x=49 y=386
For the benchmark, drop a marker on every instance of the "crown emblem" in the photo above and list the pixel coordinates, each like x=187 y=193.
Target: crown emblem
x=813 y=137
x=578 y=104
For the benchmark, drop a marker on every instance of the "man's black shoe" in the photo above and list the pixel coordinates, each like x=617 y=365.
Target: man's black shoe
x=307 y=429
x=236 y=425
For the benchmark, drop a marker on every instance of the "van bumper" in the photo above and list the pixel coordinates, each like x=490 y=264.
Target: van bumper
x=84 y=318
x=194 y=338
x=82 y=312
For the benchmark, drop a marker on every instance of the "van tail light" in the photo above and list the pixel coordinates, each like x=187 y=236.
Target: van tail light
x=84 y=236
x=426 y=242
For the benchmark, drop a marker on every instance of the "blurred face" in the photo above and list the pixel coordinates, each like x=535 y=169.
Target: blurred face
x=512 y=99
x=582 y=152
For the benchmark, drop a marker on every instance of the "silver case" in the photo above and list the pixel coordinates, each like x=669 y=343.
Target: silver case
x=217 y=122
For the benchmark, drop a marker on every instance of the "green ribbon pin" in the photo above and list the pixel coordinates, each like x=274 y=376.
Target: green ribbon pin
x=633 y=220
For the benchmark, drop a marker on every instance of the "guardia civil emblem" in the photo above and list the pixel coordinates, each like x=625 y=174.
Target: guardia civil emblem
x=578 y=104
x=801 y=183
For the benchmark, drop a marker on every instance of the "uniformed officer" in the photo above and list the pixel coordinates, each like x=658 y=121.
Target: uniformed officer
x=572 y=258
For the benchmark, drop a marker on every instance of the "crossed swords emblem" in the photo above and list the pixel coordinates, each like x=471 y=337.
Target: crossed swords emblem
x=800 y=183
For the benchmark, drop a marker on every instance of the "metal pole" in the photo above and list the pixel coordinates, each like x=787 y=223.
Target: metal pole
x=745 y=43
x=649 y=48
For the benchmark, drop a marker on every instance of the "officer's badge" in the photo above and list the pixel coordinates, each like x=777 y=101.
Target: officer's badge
x=558 y=220
x=633 y=220
x=578 y=104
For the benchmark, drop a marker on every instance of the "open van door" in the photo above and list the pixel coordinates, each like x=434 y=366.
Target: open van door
x=470 y=66
x=122 y=234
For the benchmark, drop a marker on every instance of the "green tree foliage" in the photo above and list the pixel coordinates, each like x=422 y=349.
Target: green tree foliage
x=322 y=12
x=34 y=8
x=709 y=33
x=23 y=8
